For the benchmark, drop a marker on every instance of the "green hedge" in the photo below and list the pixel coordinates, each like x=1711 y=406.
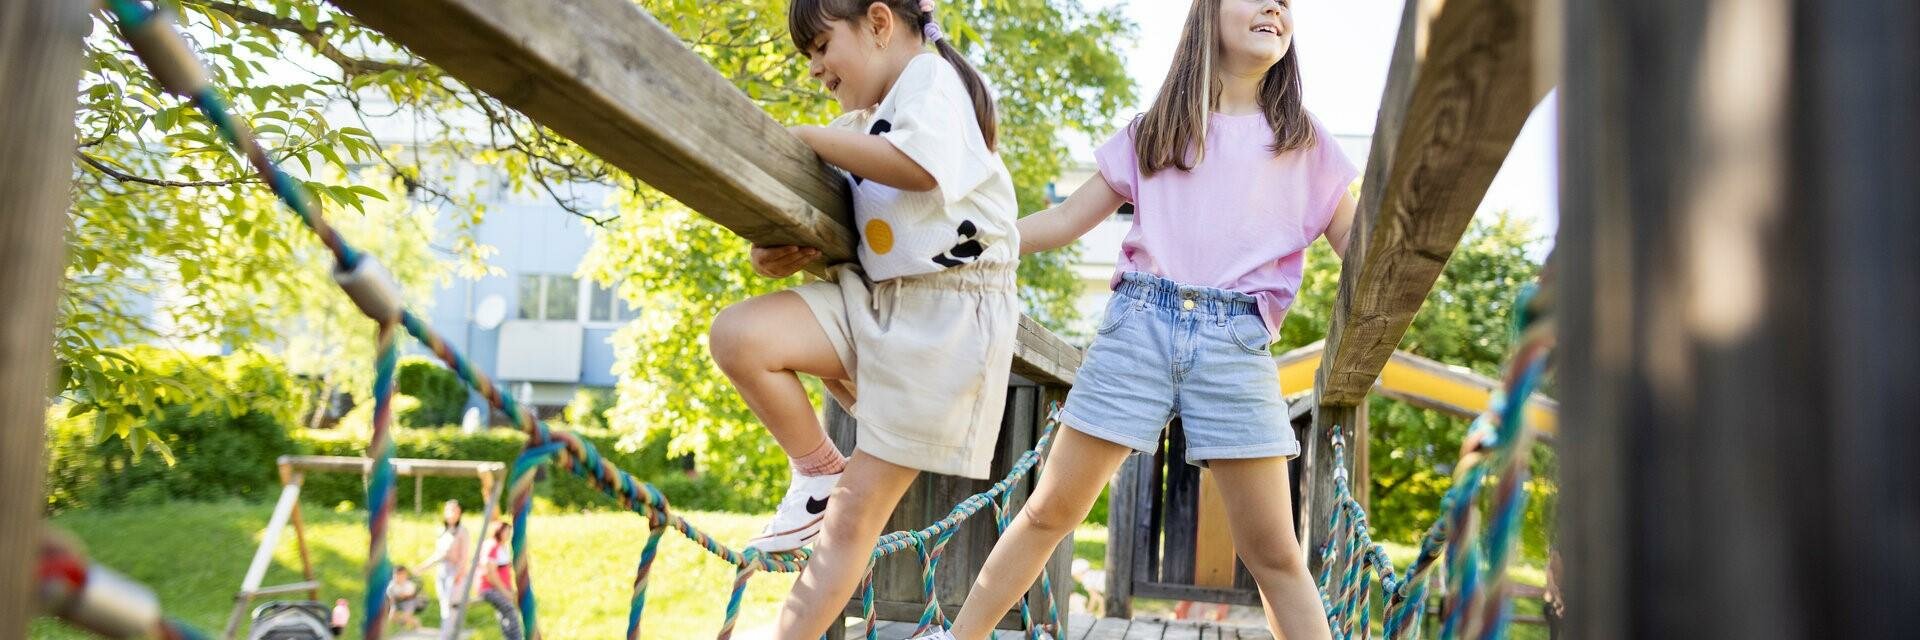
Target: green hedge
x=223 y=439
x=441 y=394
x=243 y=418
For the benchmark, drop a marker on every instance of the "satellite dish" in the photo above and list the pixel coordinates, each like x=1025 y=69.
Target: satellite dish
x=491 y=312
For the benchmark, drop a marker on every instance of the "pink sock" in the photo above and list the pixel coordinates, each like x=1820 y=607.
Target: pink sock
x=823 y=460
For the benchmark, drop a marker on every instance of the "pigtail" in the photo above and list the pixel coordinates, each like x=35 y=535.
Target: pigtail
x=983 y=109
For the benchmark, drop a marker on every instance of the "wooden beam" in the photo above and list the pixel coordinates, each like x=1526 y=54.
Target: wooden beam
x=1317 y=488
x=401 y=466
x=1738 y=299
x=39 y=66
x=1460 y=87
x=607 y=75
x=1123 y=517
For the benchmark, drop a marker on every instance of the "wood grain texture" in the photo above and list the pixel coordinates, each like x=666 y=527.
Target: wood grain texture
x=1738 y=300
x=610 y=77
x=1318 y=485
x=897 y=578
x=1122 y=507
x=40 y=56
x=1213 y=553
x=1460 y=86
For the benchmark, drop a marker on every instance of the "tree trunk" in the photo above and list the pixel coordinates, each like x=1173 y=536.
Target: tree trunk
x=40 y=68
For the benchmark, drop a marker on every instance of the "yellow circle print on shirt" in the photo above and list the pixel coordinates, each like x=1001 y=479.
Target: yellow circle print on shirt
x=879 y=236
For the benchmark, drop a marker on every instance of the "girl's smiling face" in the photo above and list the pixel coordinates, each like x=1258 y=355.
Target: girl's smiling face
x=846 y=58
x=1254 y=34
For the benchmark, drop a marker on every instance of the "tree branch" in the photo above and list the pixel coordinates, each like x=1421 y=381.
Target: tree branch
x=316 y=38
x=123 y=176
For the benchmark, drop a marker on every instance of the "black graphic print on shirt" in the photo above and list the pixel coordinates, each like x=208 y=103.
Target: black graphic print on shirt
x=966 y=251
x=879 y=126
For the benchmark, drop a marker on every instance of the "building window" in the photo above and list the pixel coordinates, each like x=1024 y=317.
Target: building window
x=552 y=297
x=606 y=306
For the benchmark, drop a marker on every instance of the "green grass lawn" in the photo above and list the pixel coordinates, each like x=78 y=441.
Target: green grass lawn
x=194 y=556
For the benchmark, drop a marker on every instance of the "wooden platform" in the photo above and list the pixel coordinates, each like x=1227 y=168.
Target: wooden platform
x=1083 y=627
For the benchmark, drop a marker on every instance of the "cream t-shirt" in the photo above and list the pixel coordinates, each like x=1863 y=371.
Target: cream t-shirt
x=969 y=217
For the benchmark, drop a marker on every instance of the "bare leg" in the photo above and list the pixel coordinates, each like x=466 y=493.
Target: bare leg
x=1262 y=526
x=857 y=512
x=1077 y=468
x=760 y=344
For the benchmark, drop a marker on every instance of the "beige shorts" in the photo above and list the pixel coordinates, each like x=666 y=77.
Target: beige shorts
x=928 y=356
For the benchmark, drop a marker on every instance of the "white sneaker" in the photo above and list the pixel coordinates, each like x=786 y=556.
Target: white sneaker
x=799 y=516
x=938 y=634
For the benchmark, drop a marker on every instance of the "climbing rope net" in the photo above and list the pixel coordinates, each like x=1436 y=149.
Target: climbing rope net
x=100 y=600
x=175 y=67
x=1474 y=602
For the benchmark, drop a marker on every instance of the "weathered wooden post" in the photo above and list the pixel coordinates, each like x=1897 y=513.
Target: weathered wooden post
x=1460 y=86
x=1739 y=300
x=40 y=47
x=897 y=579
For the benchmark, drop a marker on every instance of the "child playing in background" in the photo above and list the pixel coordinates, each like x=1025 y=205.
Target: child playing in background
x=403 y=595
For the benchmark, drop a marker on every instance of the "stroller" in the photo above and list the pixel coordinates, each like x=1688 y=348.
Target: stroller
x=291 y=620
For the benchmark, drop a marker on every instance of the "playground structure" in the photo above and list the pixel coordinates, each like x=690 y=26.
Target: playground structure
x=286 y=511
x=1167 y=525
x=1720 y=234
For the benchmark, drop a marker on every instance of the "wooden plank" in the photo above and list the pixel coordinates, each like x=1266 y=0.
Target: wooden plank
x=1255 y=633
x=285 y=588
x=1213 y=553
x=401 y=466
x=1146 y=630
x=40 y=66
x=1415 y=380
x=1172 y=591
x=1739 y=294
x=610 y=77
x=1297 y=475
x=1318 y=487
x=1181 y=505
x=1460 y=86
x=1180 y=631
x=1107 y=629
x=1149 y=510
x=1122 y=520
x=897 y=579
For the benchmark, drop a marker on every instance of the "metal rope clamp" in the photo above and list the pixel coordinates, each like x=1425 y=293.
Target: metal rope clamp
x=371 y=288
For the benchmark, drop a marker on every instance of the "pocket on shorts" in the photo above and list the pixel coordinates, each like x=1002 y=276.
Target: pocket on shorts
x=1251 y=334
x=1118 y=309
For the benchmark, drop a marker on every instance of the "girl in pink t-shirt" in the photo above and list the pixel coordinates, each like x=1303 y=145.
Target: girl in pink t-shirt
x=1231 y=179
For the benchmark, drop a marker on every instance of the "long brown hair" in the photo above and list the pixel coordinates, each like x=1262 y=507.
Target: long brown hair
x=1177 y=122
x=807 y=19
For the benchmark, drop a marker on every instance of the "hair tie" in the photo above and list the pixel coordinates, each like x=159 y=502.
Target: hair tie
x=933 y=33
x=926 y=6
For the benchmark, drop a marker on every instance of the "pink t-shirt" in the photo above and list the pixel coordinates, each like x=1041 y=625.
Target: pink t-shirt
x=1241 y=220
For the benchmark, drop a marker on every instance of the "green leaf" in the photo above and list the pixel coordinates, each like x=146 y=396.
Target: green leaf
x=368 y=192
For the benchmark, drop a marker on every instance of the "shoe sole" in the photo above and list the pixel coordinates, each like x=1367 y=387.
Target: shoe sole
x=789 y=540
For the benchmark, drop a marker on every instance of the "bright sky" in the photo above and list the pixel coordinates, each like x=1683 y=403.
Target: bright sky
x=1344 y=47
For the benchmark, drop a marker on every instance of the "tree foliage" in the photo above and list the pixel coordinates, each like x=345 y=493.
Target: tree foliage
x=173 y=241
x=1465 y=321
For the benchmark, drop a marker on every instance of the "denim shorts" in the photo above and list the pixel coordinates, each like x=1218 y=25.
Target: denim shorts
x=1170 y=350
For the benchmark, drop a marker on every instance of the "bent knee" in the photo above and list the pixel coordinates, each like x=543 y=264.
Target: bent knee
x=1052 y=515
x=1279 y=554
x=731 y=337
